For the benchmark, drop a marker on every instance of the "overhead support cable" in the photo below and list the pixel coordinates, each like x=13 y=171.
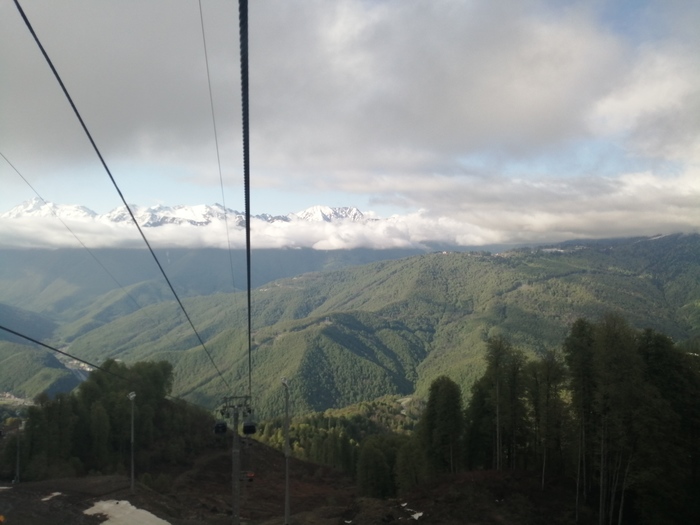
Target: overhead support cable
x=92 y=365
x=243 y=35
x=92 y=254
x=116 y=186
x=216 y=141
x=13 y=332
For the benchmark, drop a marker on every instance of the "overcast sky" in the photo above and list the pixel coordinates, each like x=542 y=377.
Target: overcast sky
x=498 y=121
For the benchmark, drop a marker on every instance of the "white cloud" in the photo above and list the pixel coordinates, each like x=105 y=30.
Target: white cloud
x=464 y=211
x=656 y=106
x=498 y=119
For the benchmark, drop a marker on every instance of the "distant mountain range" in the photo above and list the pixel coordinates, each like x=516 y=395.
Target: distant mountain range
x=154 y=216
x=39 y=224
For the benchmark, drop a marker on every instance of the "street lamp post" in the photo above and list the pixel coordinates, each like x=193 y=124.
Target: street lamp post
x=17 y=445
x=17 y=469
x=286 y=450
x=132 y=396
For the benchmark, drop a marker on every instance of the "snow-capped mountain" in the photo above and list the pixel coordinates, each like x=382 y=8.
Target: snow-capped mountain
x=159 y=215
x=153 y=216
x=36 y=223
x=327 y=214
x=38 y=208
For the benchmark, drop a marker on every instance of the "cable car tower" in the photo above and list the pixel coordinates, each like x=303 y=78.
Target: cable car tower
x=237 y=406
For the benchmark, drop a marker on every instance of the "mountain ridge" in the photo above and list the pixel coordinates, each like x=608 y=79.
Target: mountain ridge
x=159 y=215
x=348 y=334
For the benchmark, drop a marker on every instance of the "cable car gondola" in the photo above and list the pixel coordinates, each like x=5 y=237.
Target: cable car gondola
x=220 y=427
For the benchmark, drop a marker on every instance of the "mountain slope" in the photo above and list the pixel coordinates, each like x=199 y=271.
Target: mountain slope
x=392 y=326
x=26 y=371
x=64 y=284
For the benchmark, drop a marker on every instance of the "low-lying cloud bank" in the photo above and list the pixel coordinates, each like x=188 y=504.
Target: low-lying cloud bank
x=493 y=213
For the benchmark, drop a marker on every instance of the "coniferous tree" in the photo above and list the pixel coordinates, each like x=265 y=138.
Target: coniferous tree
x=411 y=466
x=578 y=353
x=479 y=436
x=442 y=425
x=99 y=436
x=497 y=352
x=545 y=381
x=374 y=477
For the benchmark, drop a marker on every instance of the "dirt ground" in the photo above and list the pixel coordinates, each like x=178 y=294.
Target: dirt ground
x=202 y=494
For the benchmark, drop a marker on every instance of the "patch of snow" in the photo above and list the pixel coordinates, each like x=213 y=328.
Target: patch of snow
x=52 y=495
x=327 y=214
x=416 y=515
x=124 y=513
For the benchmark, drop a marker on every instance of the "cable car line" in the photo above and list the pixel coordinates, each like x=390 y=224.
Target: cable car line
x=88 y=363
x=243 y=35
x=92 y=254
x=61 y=352
x=116 y=186
x=216 y=141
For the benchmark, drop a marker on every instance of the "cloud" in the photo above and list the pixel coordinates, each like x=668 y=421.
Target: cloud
x=463 y=212
x=335 y=86
x=497 y=119
x=657 y=106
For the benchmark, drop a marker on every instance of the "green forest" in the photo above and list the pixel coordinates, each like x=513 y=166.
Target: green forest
x=88 y=431
x=343 y=335
x=612 y=413
x=576 y=365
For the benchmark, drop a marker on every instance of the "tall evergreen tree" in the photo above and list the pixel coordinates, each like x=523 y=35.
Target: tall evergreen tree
x=578 y=353
x=442 y=425
x=100 y=437
x=411 y=466
x=374 y=477
x=545 y=381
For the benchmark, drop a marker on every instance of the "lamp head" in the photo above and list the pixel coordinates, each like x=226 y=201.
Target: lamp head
x=131 y=396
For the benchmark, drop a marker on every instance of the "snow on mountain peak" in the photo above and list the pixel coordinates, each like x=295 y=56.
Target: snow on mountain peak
x=159 y=215
x=38 y=208
x=328 y=214
x=319 y=227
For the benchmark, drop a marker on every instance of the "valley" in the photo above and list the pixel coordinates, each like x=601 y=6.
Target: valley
x=342 y=326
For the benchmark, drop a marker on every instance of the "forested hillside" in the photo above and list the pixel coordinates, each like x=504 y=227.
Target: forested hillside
x=603 y=429
x=391 y=327
x=63 y=284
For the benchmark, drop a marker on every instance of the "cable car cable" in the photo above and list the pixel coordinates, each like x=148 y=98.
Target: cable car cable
x=116 y=186
x=60 y=352
x=92 y=254
x=88 y=363
x=216 y=141
x=243 y=35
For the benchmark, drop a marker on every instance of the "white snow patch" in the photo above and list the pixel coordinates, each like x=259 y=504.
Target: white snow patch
x=416 y=515
x=124 y=513
x=52 y=495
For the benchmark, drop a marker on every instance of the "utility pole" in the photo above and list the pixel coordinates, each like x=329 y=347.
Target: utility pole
x=236 y=404
x=132 y=396
x=17 y=444
x=285 y=383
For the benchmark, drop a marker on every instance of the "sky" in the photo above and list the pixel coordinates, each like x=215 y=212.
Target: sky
x=475 y=122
